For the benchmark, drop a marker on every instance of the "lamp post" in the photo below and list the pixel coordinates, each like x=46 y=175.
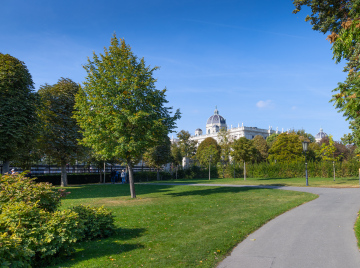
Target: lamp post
x=305 y=148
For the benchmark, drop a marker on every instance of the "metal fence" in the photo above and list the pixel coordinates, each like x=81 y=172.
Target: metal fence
x=72 y=169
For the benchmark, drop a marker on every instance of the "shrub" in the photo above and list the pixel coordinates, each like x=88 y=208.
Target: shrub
x=33 y=231
x=94 y=222
x=15 y=188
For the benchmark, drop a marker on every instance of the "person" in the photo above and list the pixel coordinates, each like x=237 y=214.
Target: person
x=123 y=176
x=13 y=171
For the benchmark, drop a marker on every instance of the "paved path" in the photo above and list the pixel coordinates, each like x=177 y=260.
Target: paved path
x=318 y=234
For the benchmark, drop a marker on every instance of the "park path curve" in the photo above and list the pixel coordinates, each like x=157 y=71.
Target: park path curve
x=318 y=234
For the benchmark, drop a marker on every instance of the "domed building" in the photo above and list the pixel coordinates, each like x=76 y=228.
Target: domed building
x=320 y=135
x=217 y=122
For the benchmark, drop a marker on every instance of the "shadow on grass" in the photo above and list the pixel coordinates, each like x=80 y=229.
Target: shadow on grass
x=98 y=248
x=224 y=189
x=113 y=190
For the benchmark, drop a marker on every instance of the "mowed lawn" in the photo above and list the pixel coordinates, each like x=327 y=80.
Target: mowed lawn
x=351 y=182
x=175 y=226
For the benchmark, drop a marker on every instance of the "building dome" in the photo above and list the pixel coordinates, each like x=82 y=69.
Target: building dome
x=320 y=135
x=216 y=119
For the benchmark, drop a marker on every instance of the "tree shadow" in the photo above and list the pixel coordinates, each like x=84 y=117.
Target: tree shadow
x=113 y=190
x=223 y=189
x=100 y=247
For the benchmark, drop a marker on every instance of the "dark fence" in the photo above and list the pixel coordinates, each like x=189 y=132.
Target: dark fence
x=74 y=169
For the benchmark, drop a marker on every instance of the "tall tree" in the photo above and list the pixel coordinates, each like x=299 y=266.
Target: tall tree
x=17 y=108
x=341 y=18
x=187 y=146
x=120 y=111
x=203 y=154
x=59 y=132
x=158 y=155
x=286 y=148
x=176 y=156
x=261 y=147
x=225 y=141
x=243 y=150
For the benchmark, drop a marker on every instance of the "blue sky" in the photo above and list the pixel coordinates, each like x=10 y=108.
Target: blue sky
x=257 y=62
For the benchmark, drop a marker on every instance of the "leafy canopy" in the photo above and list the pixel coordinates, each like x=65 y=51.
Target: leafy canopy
x=17 y=106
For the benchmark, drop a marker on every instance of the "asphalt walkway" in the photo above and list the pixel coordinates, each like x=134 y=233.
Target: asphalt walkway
x=318 y=234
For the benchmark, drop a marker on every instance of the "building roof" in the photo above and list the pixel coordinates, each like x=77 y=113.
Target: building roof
x=216 y=118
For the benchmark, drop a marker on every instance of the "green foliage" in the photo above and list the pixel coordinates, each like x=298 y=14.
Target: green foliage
x=176 y=156
x=17 y=188
x=261 y=147
x=17 y=108
x=286 y=148
x=208 y=151
x=119 y=110
x=187 y=146
x=270 y=139
x=341 y=17
x=328 y=150
x=243 y=150
x=225 y=142
x=94 y=222
x=59 y=133
x=33 y=232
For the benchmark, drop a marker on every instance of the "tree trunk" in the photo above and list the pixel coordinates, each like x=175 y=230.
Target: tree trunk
x=6 y=166
x=209 y=170
x=131 y=180
x=244 y=171
x=64 y=181
x=177 y=169
x=157 y=174
x=104 y=173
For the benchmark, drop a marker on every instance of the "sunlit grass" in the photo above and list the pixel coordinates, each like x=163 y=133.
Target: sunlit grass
x=351 y=182
x=175 y=226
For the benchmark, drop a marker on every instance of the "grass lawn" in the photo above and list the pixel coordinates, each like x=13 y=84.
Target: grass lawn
x=313 y=182
x=175 y=226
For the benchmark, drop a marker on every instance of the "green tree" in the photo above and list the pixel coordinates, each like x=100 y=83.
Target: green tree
x=261 y=147
x=270 y=139
x=176 y=157
x=59 y=133
x=18 y=104
x=225 y=141
x=328 y=152
x=120 y=111
x=243 y=150
x=341 y=18
x=203 y=153
x=158 y=155
x=286 y=148
x=187 y=146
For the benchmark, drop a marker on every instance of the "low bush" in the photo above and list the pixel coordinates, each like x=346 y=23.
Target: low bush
x=33 y=231
x=94 y=222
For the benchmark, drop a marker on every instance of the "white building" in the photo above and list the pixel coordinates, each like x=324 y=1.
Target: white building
x=216 y=122
x=320 y=135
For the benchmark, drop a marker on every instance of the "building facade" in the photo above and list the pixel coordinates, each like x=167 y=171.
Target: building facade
x=216 y=122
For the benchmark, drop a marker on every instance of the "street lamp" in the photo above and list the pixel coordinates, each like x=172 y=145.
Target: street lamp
x=305 y=148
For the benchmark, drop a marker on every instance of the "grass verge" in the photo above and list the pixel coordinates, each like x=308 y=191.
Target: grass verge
x=175 y=226
x=352 y=182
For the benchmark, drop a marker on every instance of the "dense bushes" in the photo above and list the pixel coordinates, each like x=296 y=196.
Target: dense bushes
x=33 y=231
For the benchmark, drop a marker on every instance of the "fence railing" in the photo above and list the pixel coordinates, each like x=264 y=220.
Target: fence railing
x=71 y=169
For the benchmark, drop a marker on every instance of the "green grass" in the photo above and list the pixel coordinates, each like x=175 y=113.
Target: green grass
x=313 y=182
x=175 y=226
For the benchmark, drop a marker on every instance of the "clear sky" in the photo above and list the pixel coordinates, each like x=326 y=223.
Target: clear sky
x=257 y=62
